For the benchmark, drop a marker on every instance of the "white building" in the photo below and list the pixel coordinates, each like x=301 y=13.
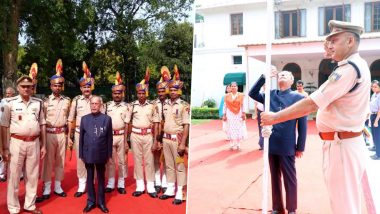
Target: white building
x=230 y=37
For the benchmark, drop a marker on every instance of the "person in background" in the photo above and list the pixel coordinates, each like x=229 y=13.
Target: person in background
x=300 y=88
x=234 y=115
x=221 y=105
x=374 y=107
x=9 y=92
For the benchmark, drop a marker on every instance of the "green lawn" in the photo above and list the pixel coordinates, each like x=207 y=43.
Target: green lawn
x=198 y=121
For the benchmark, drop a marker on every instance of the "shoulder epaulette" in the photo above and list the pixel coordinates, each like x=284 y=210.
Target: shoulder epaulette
x=66 y=97
x=76 y=97
x=36 y=99
x=10 y=99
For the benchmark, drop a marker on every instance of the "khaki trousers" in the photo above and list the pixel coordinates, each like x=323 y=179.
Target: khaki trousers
x=142 y=149
x=174 y=172
x=55 y=157
x=81 y=169
x=343 y=168
x=118 y=155
x=157 y=162
x=29 y=153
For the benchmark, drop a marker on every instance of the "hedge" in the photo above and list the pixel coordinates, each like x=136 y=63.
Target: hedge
x=204 y=113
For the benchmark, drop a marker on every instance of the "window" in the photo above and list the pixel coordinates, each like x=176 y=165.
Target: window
x=290 y=23
x=340 y=12
x=199 y=18
x=237 y=24
x=372 y=16
x=237 y=60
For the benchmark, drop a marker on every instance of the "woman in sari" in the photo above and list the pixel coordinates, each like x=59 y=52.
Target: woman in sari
x=233 y=113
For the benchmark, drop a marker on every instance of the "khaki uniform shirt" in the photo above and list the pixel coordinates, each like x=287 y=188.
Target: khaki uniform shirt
x=118 y=113
x=176 y=114
x=23 y=119
x=79 y=107
x=160 y=106
x=339 y=109
x=56 y=110
x=142 y=116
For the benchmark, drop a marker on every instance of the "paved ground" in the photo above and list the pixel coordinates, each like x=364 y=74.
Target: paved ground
x=230 y=182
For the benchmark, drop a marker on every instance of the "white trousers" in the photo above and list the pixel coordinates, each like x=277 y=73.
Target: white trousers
x=343 y=168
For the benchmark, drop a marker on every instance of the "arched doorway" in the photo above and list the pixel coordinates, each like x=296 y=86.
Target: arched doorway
x=325 y=69
x=296 y=71
x=375 y=70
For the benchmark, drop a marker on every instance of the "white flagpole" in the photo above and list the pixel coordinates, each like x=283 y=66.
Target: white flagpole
x=268 y=59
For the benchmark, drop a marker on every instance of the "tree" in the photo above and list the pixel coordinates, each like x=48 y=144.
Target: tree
x=123 y=23
x=9 y=30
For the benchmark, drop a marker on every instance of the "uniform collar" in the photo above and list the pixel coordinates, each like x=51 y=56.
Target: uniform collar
x=83 y=97
x=177 y=101
x=52 y=97
x=19 y=99
x=287 y=91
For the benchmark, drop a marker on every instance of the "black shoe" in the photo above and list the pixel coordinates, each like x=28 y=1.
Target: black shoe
x=78 y=194
x=3 y=179
x=292 y=212
x=21 y=178
x=164 y=197
x=108 y=190
x=372 y=149
x=39 y=199
x=121 y=190
x=164 y=189
x=278 y=212
x=137 y=193
x=261 y=148
x=157 y=188
x=153 y=194
x=88 y=208
x=103 y=208
x=177 y=202
x=375 y=157
x=62 y=194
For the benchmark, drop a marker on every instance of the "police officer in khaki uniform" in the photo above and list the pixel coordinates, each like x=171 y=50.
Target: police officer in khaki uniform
x=80 y=106
x=56 y=108
x=117 y=110
x=9 y=92
x=23 y=120
x=176 y=130
x=343 y=104
x=142 y=116
x=162 y=91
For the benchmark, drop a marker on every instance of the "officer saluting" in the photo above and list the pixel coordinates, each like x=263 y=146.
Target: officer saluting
x=23 y=120
x=162 y=88
x=56 y=108
x=80 y=106
x=117 y=110
x=141 y=116
x=176 y=130
x=343 y=104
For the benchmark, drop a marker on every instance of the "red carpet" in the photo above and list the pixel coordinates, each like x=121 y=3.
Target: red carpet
x=116 y=203
x=230 y=182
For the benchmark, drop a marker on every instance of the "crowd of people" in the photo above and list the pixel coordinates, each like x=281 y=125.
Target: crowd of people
x=101 y=134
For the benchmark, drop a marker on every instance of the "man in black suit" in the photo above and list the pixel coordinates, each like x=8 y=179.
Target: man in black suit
x=95 y=149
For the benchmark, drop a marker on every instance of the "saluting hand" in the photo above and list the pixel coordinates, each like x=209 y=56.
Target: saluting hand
x=42 y=152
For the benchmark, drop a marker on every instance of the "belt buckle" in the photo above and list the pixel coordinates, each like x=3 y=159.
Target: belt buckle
x=144 y=131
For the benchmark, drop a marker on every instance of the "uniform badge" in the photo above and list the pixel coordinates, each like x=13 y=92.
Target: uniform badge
x=334 y=77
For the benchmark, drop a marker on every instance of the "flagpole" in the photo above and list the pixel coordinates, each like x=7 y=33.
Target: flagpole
x=268 y=59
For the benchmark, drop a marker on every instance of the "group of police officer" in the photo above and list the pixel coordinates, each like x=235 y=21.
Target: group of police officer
x=34 y=129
